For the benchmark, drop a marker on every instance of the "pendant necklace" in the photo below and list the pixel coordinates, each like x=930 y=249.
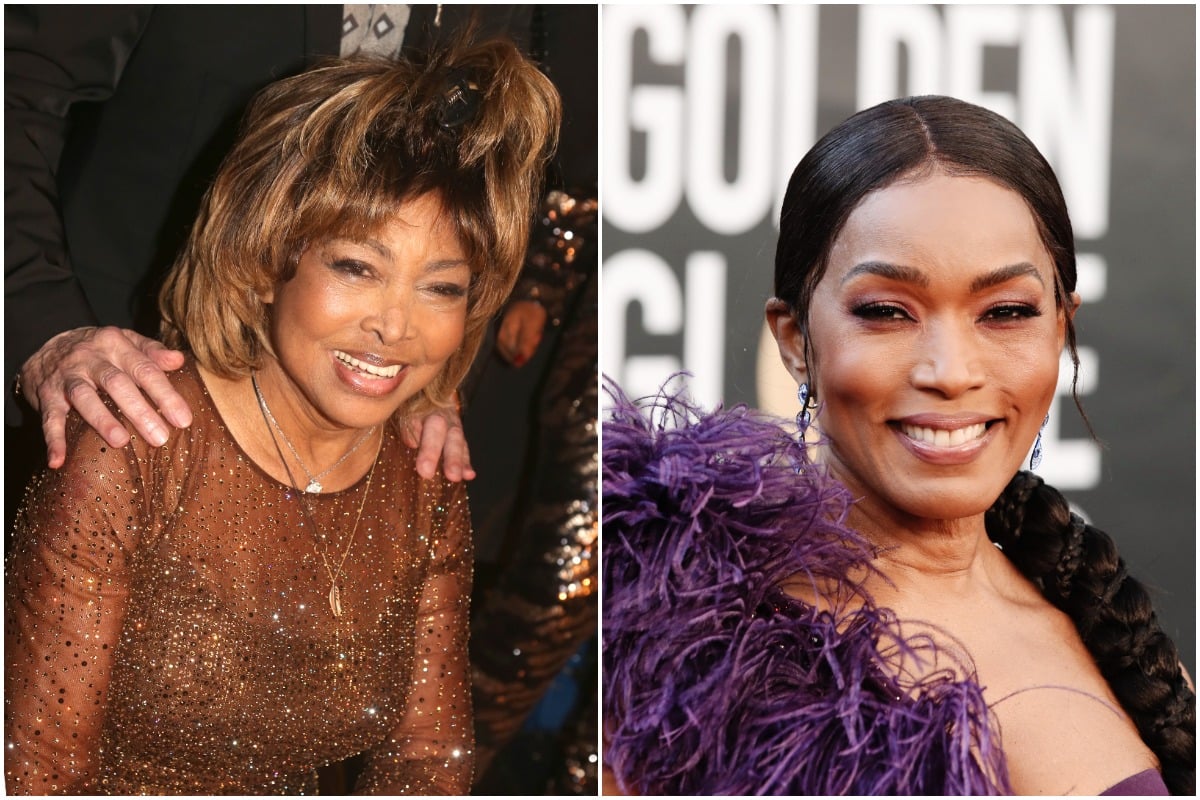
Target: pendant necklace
x=314 y=481
x=335 y=594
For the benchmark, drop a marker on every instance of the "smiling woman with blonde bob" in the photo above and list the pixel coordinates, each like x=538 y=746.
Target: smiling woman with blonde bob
x=276 y=588
x=887 y=605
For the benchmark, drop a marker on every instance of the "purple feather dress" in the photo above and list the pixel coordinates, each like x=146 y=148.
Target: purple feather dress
x=715 y=680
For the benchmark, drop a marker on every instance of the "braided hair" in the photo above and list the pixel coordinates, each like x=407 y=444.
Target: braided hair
x=1075 y=565
x=1077 y=568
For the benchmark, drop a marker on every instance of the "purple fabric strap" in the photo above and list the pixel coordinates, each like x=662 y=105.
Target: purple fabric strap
x=1148 y=783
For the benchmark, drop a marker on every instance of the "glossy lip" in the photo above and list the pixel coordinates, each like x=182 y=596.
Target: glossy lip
x=367 y=384
x=945 y=456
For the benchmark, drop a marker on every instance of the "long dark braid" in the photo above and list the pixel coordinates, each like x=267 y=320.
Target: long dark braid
x=1078 y=570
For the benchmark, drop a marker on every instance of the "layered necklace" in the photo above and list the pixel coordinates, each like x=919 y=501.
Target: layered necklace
x=319 y=544
x=314 y=483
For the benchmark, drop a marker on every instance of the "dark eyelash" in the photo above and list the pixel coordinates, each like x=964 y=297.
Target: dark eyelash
x=351 y=266
x=880 y=311
x=450 y=290
x=1008 y=311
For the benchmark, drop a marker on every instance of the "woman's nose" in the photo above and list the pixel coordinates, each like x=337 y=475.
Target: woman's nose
x=390 y=320
x=949 y=360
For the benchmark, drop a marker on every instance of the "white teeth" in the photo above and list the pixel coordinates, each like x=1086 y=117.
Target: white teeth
x=369 y=369
x=939 y=437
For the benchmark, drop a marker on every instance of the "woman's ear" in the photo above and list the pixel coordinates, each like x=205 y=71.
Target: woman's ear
x=1068 y=315
x=1073 y=303
x=789 y=337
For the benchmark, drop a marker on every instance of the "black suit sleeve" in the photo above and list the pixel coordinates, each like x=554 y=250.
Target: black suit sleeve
x=54 y=57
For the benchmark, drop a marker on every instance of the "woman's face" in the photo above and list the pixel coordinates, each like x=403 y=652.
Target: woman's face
x=367 y=322
x=936 y=342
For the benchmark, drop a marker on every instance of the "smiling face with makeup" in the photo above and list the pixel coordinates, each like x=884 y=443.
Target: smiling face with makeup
x=367 y=322
x=935 y=340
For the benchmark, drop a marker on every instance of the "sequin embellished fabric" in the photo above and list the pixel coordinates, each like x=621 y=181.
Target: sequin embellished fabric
x=544 y=605
x=168 y=626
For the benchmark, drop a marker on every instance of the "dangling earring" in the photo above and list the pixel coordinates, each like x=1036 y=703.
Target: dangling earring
x=803 y=419
x=1035 y=458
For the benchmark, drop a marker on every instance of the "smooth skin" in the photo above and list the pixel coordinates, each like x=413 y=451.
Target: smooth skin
x=75 y=367
x=393 y=301
x=935 y=340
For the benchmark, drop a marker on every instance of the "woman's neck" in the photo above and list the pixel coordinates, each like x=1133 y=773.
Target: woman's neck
x=285 y=436
x=947 y=558
x=282 y=407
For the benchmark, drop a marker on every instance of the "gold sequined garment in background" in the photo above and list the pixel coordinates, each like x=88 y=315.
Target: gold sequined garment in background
x=168 y=625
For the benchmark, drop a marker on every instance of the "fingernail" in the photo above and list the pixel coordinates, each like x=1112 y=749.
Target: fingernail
x=158 y=437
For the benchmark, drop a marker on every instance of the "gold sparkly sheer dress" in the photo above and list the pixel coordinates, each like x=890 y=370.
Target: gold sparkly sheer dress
x=168 y=627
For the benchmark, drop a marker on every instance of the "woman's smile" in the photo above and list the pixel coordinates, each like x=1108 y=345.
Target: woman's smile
x=946 y=442
x=371 y=379
x=934 y=338
x=377 y=369
x=368 y=321
x=941 y=437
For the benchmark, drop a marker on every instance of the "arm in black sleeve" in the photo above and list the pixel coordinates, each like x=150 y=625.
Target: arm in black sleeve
x=54 y=57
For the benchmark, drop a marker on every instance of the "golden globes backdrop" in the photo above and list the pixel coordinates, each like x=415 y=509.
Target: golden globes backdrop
x=707 y=109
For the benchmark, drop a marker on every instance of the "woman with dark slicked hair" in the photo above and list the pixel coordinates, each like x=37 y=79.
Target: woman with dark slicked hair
x=885 y=602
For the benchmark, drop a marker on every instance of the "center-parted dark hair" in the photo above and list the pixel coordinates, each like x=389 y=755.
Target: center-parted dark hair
x=1074 y=564
x=905 y=139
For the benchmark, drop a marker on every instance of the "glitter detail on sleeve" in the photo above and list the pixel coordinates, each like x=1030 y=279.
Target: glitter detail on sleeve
x=168 y=629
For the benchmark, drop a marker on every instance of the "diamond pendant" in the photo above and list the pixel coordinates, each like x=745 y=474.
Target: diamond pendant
x=313 y=487
x=335 y=601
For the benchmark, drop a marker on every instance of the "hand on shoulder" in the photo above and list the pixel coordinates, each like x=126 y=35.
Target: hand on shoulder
x=76 y=366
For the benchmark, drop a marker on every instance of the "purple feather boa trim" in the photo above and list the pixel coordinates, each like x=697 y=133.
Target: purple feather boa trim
x=717 y=682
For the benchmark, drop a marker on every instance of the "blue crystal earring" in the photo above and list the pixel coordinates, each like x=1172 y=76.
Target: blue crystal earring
x=803 y=418
x=1035 y=458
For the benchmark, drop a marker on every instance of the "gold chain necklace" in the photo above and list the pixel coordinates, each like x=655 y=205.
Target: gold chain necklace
x=314 y=481
x=335 y=594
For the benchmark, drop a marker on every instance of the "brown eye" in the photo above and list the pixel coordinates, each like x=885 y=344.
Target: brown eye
x=449 y=290
x=350 y=266
x=1012 y=311
x=880 y=311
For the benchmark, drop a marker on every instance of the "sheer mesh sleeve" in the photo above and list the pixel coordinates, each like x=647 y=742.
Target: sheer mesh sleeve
x=430 y=751
x=65 y=599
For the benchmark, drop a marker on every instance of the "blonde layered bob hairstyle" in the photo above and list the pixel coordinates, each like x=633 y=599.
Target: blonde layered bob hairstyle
x=336 y=152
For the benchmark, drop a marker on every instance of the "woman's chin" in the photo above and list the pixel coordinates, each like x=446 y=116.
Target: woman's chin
x=950 y=499
x=933 y=500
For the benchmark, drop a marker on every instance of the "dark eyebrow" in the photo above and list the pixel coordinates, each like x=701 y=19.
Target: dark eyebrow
x=1005 y=274
x=382 y=249
x=899 y=272
x=895 y=272
x=446 y=264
